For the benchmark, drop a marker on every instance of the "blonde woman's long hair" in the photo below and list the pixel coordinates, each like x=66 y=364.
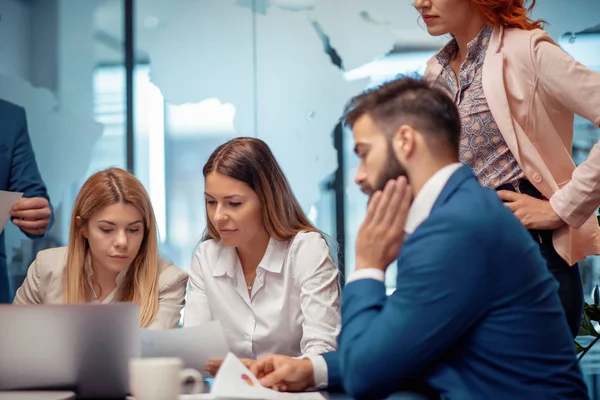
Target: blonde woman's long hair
x=105 y=188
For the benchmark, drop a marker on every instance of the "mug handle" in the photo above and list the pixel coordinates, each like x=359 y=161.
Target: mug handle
x=191 y=375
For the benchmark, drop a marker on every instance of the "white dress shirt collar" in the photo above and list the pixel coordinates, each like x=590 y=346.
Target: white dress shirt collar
x=90 y=272
x=272 y=260
x=428 y=195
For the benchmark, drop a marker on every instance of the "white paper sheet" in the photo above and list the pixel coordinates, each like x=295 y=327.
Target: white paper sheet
x=195 y=346
x=201 y=396
x=7 y=199
x=235 y=381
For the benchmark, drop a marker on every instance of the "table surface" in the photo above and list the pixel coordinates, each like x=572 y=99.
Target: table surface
x=39 y=395
x=397 y=396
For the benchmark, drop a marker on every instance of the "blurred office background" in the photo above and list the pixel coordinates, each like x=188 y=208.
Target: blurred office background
x=155 y=85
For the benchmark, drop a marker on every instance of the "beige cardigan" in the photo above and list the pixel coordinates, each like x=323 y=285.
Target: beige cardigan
x=45 y=285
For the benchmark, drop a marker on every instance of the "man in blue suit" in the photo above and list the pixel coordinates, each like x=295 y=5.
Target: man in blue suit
x=475 y=313
x=19 y=173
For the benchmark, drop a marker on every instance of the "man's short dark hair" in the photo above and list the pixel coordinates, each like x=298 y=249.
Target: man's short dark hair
x=413 y=102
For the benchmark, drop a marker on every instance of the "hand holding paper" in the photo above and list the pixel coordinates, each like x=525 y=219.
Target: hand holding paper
x=235 y=381
x=7 y=200
x=284 y=373
x=32 y=215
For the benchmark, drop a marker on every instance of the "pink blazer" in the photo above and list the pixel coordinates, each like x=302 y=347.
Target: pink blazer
x=533 y=89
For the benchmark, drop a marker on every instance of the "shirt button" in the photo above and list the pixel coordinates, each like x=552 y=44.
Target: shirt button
x=537 y=178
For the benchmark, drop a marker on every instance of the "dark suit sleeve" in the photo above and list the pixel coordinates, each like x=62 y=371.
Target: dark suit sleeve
x=386 y=343
x=334 y=378
x=24 y=174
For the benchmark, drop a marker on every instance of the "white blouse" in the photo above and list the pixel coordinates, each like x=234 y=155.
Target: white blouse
x=111 y=296
x=294 y=308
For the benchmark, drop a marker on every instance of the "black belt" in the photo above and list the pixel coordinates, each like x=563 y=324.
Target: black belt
x=525 y=187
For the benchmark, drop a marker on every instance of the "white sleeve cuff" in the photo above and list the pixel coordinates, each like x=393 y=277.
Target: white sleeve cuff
x=367 y=273
x=319 y=371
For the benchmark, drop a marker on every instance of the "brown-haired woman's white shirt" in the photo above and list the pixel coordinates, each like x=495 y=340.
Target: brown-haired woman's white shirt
x=45 y=279
x=294 y=308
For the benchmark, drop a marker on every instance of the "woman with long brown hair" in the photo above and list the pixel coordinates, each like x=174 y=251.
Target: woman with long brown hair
x=517 y=93
x=263 y=270
x=112 y=255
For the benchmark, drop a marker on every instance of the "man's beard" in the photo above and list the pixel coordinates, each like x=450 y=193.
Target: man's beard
x=393 y=170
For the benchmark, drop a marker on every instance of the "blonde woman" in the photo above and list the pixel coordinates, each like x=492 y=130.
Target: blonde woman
x=112 y=255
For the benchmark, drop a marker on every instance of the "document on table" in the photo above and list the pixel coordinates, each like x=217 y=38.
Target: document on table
x=195 y=346
x=235 y=381
x=7 y=199
x=201 y=396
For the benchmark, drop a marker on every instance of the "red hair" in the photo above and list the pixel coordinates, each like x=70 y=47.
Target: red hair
x=509 y=13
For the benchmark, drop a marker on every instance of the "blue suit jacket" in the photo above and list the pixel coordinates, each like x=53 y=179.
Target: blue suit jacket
x=18 y=173
x=475 y=314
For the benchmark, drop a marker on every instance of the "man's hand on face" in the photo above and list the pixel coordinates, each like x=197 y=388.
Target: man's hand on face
x=284 y=373
x=381 y=234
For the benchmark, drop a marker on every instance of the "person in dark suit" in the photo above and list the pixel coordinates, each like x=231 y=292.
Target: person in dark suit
x=19 y=173
x=475 y=313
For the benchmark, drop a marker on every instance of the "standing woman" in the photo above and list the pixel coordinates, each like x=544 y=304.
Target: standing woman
x=517 y=93
x=263 y=270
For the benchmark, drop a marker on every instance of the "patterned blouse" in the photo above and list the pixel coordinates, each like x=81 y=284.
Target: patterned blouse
x=482 y=146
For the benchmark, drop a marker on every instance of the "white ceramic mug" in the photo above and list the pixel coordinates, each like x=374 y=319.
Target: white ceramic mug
x=161 y=378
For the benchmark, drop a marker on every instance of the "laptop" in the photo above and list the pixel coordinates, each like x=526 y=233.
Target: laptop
x=84 y=348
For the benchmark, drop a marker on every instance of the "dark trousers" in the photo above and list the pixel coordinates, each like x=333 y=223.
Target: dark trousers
x=568 y=277
x=5 y=291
